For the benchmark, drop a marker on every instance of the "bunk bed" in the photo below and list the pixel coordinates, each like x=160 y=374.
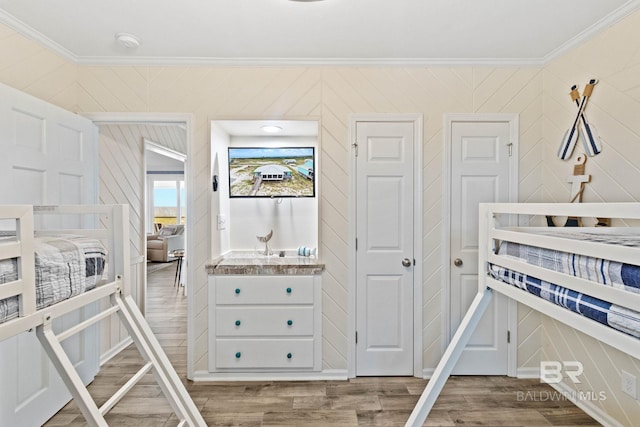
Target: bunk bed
x=585 y=277
x=95 y=260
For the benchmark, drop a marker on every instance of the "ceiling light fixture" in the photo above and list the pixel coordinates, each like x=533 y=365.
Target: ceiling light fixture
x=128 y=41
x=271 y=128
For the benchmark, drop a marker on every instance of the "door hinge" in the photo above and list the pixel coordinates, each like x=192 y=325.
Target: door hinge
x=356 y=243
x=510 y=145
x=355 y=146
x=414 y=262
x=356 y=337
x=508 y=337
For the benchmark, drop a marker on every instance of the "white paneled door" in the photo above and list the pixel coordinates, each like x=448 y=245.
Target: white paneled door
x=48 y=157
x=480 y=172
x=384 y=256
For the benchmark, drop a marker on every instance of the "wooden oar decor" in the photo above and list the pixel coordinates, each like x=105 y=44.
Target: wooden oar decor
x=581 y=129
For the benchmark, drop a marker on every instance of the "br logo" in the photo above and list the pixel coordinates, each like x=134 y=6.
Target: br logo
x=551 y=372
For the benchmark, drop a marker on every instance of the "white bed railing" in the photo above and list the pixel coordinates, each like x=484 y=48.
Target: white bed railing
x=490 y=232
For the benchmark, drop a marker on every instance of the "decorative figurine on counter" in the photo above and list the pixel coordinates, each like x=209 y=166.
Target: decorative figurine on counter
x=304 y=251
x=265 y=239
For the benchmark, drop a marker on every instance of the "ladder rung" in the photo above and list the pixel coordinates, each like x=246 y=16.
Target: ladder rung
x=125 y=389
x=90 y=321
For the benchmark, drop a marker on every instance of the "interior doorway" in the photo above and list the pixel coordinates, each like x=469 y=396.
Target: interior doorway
x=122 y=165
x=154 y=120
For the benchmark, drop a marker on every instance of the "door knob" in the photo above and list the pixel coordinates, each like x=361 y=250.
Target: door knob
x=406 y=262
x=457 y=262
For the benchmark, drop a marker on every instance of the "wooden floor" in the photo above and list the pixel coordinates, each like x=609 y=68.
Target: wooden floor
x=470 y=401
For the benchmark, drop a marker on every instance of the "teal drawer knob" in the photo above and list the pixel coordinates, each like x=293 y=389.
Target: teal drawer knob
x=238 y=354
x=237 y=290
x=289 y=355
x=288 y=290
x=289 y=322
x=237 y=323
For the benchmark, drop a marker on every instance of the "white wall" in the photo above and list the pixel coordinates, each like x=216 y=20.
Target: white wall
x=220 y=239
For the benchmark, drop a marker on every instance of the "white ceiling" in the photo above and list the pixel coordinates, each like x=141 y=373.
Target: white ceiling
x=158 y=162
x=320 y=32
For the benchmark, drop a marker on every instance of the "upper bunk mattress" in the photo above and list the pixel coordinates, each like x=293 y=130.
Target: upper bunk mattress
x=599 y=270
x=65 y=266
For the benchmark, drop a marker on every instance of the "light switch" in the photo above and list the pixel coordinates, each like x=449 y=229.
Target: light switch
x=222 y=222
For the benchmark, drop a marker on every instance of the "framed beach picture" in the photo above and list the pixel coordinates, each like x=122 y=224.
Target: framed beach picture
x=271 y=172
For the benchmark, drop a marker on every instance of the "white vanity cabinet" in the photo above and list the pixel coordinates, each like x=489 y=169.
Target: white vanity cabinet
x=264 y=323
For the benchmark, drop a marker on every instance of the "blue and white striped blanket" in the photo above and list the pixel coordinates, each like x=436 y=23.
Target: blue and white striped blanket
x=65 y=266
x=608 y=273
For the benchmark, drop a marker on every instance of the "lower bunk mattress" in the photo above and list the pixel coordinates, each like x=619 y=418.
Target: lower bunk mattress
x=65 y=266
x=605 y=272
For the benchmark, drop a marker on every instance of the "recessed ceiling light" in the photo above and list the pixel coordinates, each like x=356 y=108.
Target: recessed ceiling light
x=271 y=128
x=128 y=41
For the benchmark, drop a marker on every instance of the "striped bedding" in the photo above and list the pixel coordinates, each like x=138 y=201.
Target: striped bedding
x=605 y=272
x=65 y=266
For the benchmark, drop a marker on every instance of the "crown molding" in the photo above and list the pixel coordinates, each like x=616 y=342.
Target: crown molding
x=278 y=62
x=606 y=22
x=590 y=32
x=27 y=31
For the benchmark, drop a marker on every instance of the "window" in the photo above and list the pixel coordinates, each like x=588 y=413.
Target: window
x=168 y=205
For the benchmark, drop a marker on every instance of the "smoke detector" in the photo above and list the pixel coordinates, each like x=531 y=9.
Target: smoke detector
x=128 y=41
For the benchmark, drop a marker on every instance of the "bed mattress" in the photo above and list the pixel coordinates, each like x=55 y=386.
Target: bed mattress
x=605 y=272
x=65 y=266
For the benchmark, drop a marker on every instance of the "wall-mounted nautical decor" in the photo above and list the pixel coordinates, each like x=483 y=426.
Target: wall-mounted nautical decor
x=578 y=179
x=581 y=128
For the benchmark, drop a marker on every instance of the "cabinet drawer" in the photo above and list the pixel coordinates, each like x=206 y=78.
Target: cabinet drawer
x=264 y=289
x=264 y=354
x=263 y=321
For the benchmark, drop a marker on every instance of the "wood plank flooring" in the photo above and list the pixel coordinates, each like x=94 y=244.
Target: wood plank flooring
x=364 y=401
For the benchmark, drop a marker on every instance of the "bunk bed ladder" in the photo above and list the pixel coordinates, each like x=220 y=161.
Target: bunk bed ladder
x=149 y=348
x=450 y=358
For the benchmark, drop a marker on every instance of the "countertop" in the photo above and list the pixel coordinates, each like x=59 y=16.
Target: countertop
x=256 y=264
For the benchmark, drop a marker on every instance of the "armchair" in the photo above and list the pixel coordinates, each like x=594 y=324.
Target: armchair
x=169 y=238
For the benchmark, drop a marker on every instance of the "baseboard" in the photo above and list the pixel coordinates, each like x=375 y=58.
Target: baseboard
x=427 y=373
x=108 y=355
x=528 y=373
x=327 y=375
x=586 y=405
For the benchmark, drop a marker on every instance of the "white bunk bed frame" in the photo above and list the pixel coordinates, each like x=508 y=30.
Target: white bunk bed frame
x=489 y=232
x=115 y=219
